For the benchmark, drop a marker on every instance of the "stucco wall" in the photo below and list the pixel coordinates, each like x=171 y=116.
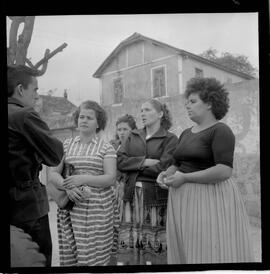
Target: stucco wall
x=137 y=81
x=189 y=66
x=134 y=63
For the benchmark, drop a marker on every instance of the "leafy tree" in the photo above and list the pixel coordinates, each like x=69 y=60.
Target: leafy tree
x=236 y=62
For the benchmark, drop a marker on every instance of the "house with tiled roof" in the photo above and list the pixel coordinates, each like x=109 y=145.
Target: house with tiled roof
x=57 y=112
x=140 y=68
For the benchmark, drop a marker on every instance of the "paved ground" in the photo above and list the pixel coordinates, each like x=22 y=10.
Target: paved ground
x=255 y=231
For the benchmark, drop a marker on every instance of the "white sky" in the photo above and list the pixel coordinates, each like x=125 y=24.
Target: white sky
x=91 y=38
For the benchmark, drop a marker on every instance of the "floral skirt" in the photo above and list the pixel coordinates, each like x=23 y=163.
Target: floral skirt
x=142 y=233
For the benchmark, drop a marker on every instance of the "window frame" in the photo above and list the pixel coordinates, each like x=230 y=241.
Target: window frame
x=198 y=70
x=165 y=80
x=123 y=86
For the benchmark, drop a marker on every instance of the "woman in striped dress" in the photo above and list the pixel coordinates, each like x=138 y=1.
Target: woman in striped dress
x=86 y=233
x=206 y=221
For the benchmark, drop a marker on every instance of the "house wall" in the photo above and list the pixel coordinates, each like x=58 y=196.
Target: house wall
x=135 y=67
x=134 y=63
x=190 y=64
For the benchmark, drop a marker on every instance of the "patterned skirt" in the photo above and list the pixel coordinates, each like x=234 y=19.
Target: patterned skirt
x=87 y=234
x=208 y=223
x=142 y=233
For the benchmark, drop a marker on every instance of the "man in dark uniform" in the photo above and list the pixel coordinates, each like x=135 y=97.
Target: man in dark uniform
x=31 y=144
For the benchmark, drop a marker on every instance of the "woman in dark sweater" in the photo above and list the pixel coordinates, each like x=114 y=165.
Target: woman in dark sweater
x=207 y=221
x=145 y=153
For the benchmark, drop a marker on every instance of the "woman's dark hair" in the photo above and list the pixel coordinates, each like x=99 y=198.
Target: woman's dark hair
x=210 y=91
x=19 y=75
x=129 y=119
x=99 y=111
x=166 y=119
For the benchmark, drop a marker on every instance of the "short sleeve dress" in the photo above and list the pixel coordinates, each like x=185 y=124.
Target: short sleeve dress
x=207 y=223
x=86 y=233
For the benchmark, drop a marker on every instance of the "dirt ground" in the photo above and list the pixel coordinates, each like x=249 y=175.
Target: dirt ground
x=255 y=231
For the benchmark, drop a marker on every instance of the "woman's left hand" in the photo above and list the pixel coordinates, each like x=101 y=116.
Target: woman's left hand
x=175 y=180
x=73 y=181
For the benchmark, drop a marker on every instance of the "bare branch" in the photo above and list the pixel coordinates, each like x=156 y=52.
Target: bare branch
x=47 y=57
x=29 y=63
x=44 y=65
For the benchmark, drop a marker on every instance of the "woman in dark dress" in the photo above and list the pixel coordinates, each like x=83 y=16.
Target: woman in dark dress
x=207 y=220
x=124 y=125
x=145 y=153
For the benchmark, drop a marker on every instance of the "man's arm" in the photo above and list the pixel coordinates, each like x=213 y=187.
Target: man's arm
x=38 y=134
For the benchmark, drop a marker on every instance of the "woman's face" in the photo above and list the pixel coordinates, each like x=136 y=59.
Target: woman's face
x=122 y=130
x=149 y=114
x=196 y=108
x=87 y=121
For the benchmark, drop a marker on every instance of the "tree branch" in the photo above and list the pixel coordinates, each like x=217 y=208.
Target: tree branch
x=50 y=55
x=29 y=63
x=44 y=65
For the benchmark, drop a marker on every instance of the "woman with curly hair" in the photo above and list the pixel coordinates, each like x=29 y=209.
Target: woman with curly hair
x=145 y=153
x=86 y=232
x=207 y=220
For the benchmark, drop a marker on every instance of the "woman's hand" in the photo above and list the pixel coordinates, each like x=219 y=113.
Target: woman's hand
x=175 y=180
x=160 y=179
x=150 y=162
x=73 y=181
x=75 y=195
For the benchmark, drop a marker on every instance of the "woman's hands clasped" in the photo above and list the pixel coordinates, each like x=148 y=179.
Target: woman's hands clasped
x=75 y=195
x=72 y=184
x=175 y=180
x=73 y=181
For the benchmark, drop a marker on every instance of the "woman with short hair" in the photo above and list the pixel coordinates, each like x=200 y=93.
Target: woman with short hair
x=86 y=232
x=207 y=220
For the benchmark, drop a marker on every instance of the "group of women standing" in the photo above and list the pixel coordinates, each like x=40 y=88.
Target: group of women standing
x=178 y=188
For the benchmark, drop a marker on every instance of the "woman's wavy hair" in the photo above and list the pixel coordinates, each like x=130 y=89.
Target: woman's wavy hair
x=166 y=119
x=210 y=90
x=127 y=118
x=101 y=114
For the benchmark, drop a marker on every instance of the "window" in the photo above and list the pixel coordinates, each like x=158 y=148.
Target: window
x=159 y=82
x=198 y=73
x=118 y=91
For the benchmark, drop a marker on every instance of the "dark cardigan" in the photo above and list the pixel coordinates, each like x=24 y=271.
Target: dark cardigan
x=131 y=156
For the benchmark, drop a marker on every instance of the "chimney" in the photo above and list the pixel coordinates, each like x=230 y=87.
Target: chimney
x=65 y=94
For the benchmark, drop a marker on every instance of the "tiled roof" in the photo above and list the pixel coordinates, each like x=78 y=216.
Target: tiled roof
x=57 y=105
x=56 y=111
x=135 y=37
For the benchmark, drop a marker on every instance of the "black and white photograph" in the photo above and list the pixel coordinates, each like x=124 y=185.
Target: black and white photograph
x=134 y=141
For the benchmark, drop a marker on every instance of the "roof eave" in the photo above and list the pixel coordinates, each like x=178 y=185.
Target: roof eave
x=204 y=60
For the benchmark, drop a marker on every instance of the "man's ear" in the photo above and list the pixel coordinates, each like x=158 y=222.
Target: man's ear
x=19 y=90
